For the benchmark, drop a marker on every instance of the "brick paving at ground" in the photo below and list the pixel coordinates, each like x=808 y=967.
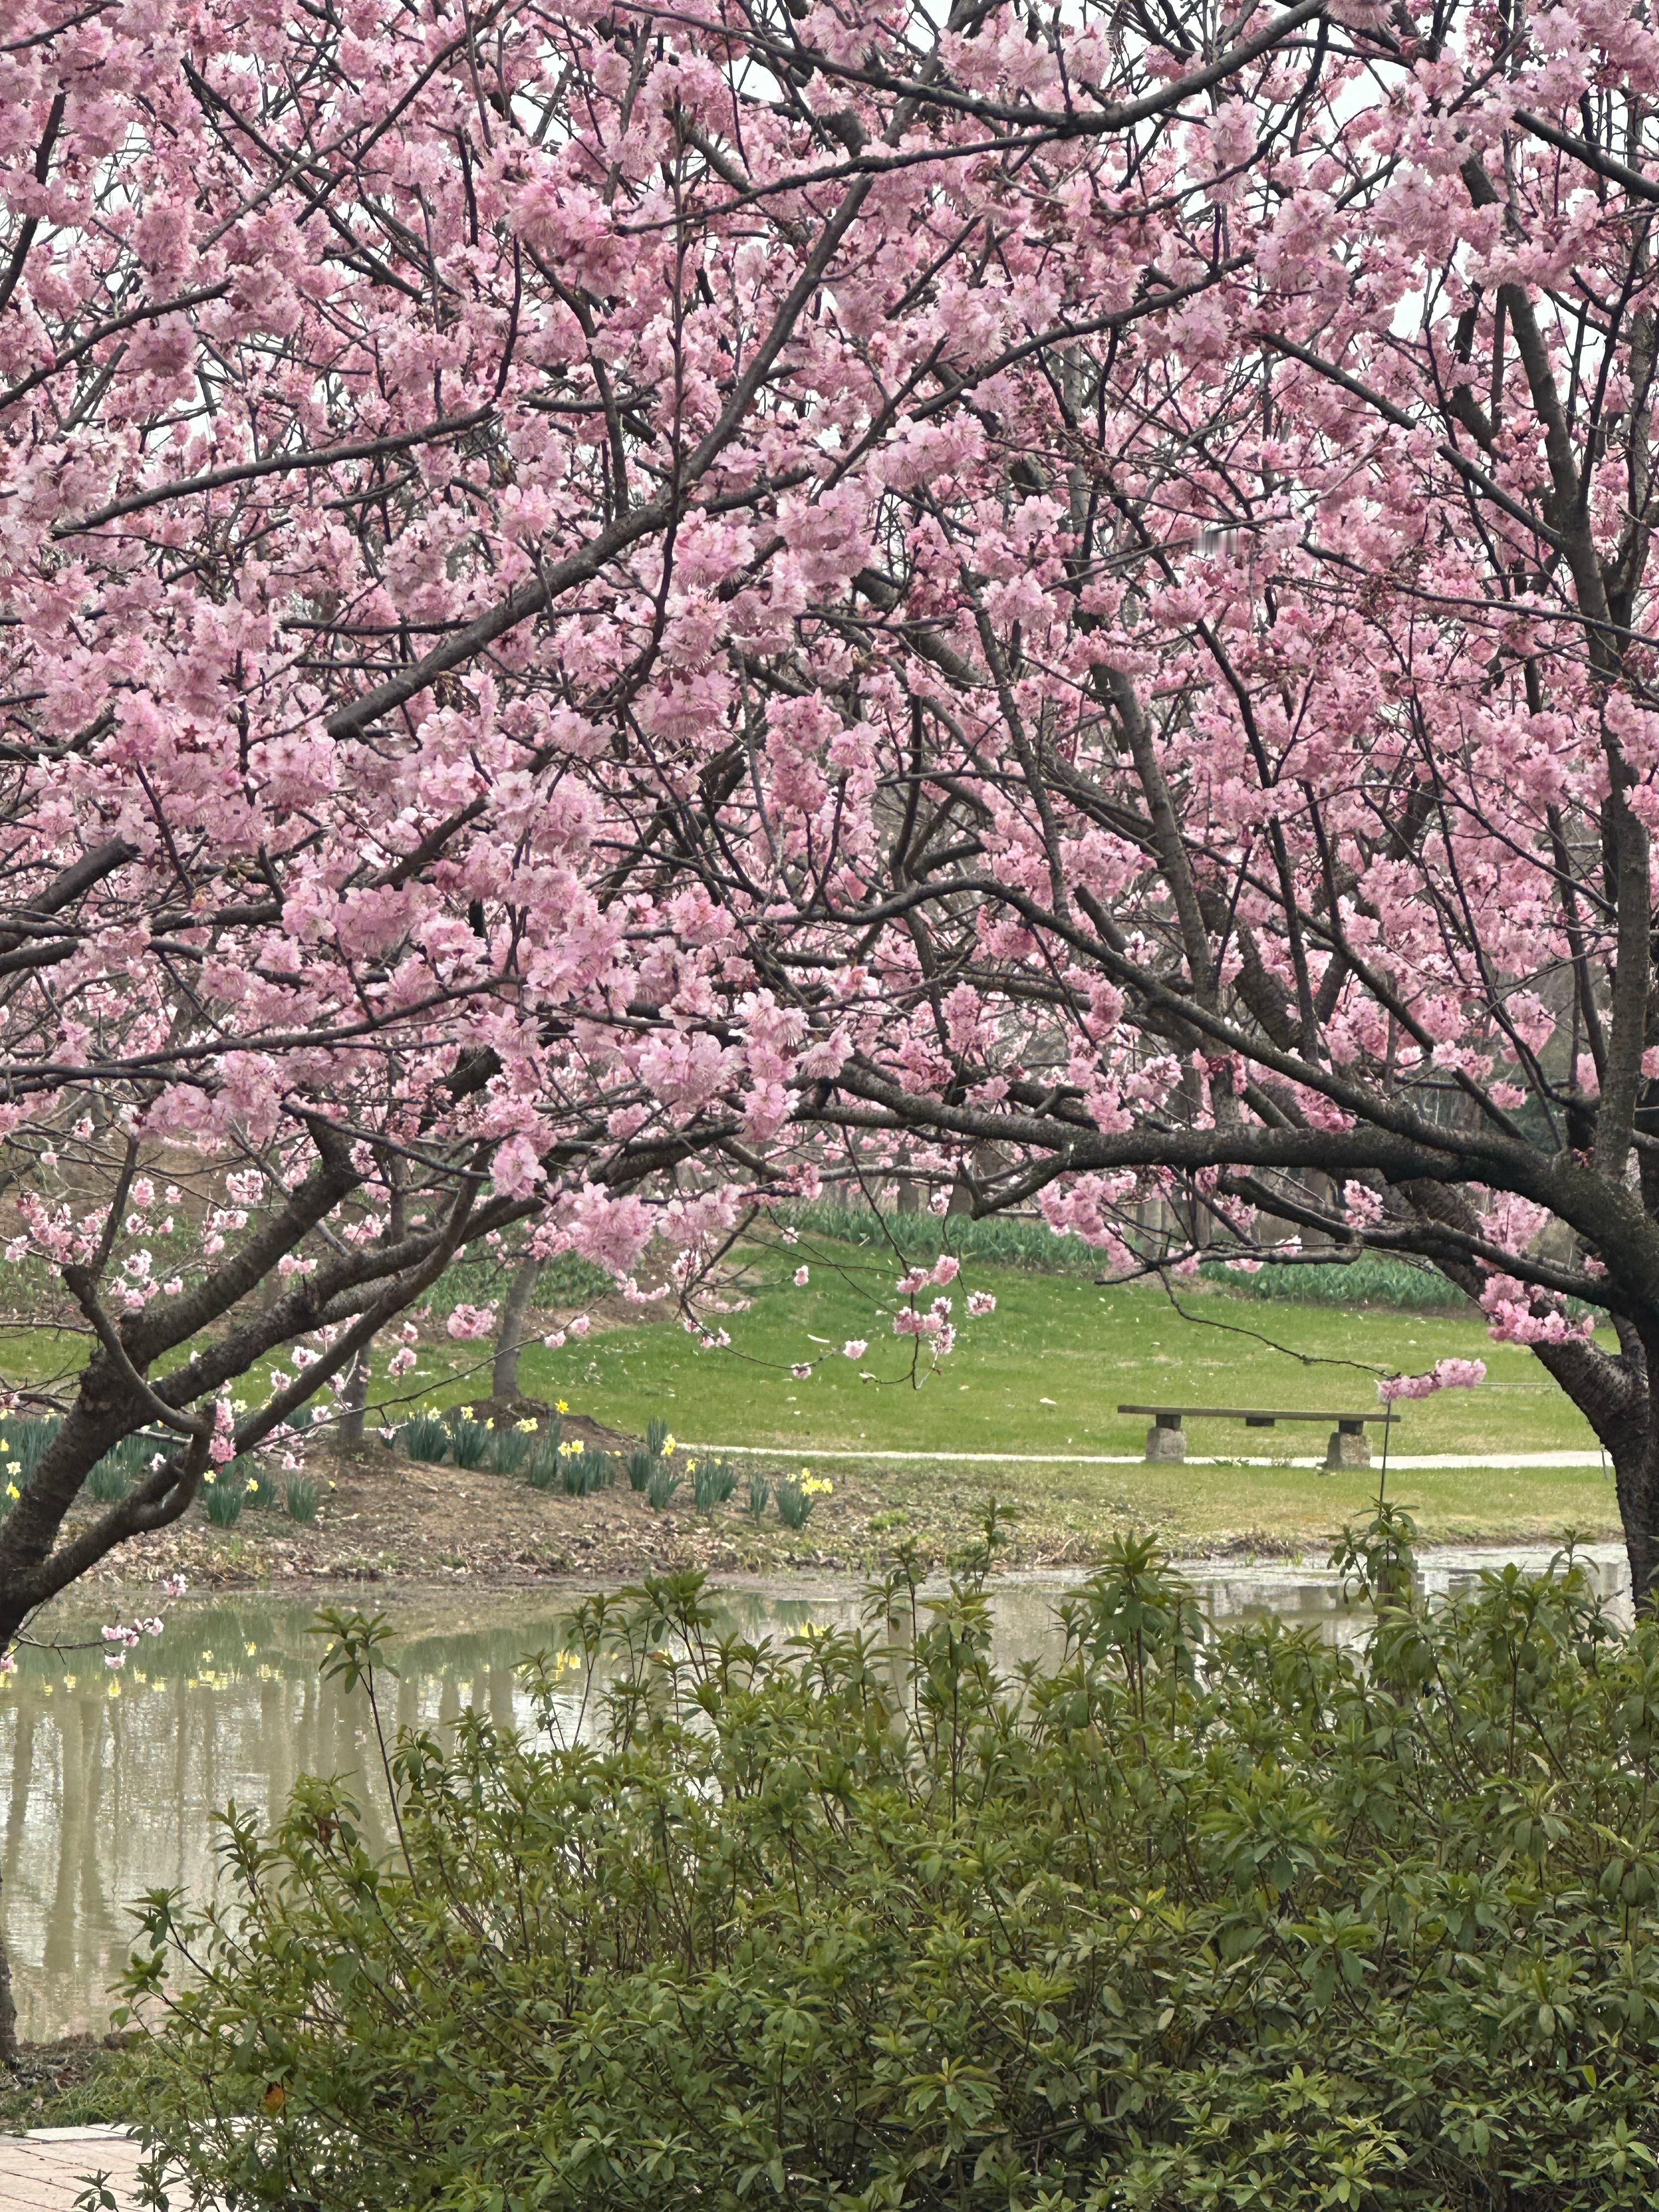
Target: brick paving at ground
x=47 y=2171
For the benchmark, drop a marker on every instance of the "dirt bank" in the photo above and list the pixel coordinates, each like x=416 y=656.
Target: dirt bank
x=386 y=1519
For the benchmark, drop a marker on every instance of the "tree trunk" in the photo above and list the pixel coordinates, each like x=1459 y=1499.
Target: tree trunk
x=504 y=1378
x=984 y=1166
x=8 y=2011
x=354 y=1402
x=1635 y=1478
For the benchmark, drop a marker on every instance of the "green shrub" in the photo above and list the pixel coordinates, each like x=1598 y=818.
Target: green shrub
x=510 y=1449
x=481 y=1280
x=998 y=1241
x=659 y=1491
x=262 y=1489
x=568 y=1280
x=426 y=1437
x=469 y=1443
x=760 y=1495
x=713 y=1481
x=642 y=1466
x=656 y=1435
x=1177 y=1919
x=588 y=1471
x=794 y=1503
x=224 y=1495
x=300 y=1501
x=1375 y=1279
x=1013 y=1241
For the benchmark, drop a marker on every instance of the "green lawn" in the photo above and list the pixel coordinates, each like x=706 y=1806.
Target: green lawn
x=1046 y=1372
x=1086 y=1349
x=1043 y=1376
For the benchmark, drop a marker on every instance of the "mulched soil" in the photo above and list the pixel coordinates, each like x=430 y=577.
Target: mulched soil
x=54 y=2084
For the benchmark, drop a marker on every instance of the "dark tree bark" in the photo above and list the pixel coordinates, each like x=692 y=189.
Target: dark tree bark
x=8 y=2011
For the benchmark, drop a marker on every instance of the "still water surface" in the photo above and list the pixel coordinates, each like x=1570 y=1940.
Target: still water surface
x=106 y=1785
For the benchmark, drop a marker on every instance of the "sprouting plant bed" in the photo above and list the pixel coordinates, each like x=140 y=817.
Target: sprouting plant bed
x=299 y=1499
x=426 y=1437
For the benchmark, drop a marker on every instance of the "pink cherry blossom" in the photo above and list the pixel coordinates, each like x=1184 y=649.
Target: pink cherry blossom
x=1444 y=1375
x=594 y=652
x=468 y=1322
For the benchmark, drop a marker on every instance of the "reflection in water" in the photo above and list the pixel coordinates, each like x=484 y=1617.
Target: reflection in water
x=108 y=1783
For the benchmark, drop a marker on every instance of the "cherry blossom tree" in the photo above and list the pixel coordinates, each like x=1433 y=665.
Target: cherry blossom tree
x=605 y=613
x=427 y=431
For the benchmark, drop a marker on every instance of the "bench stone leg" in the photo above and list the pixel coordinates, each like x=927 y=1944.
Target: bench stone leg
x=1347 y=1448
x=1164 y=1444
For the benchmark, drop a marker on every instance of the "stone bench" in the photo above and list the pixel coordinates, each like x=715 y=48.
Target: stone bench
x=1349 y=1445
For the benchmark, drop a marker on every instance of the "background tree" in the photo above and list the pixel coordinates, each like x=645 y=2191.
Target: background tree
x=407 y=415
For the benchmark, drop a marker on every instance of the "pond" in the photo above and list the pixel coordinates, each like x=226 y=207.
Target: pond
x=107 y=1782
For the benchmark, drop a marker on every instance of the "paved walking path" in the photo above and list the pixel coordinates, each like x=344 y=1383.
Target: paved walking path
x=46 y=2170
x=1403 y=1460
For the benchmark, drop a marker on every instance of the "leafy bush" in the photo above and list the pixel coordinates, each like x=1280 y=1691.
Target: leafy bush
x=262 y=1489
x=469 y=1443
x=713 y=1481
x=302 y=1499
x=510 y=1449
x=224 y=1495
x=659 y=1491
x=481 y=1279
x=588 y=1471
x=998 y=1241
x=1175 y=1920
x=1013 y=1241
x=795 y=1503
x=426 y=1437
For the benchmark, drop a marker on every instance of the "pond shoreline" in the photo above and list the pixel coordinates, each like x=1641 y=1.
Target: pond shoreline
x=385 y=1522
x=385 y=1525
